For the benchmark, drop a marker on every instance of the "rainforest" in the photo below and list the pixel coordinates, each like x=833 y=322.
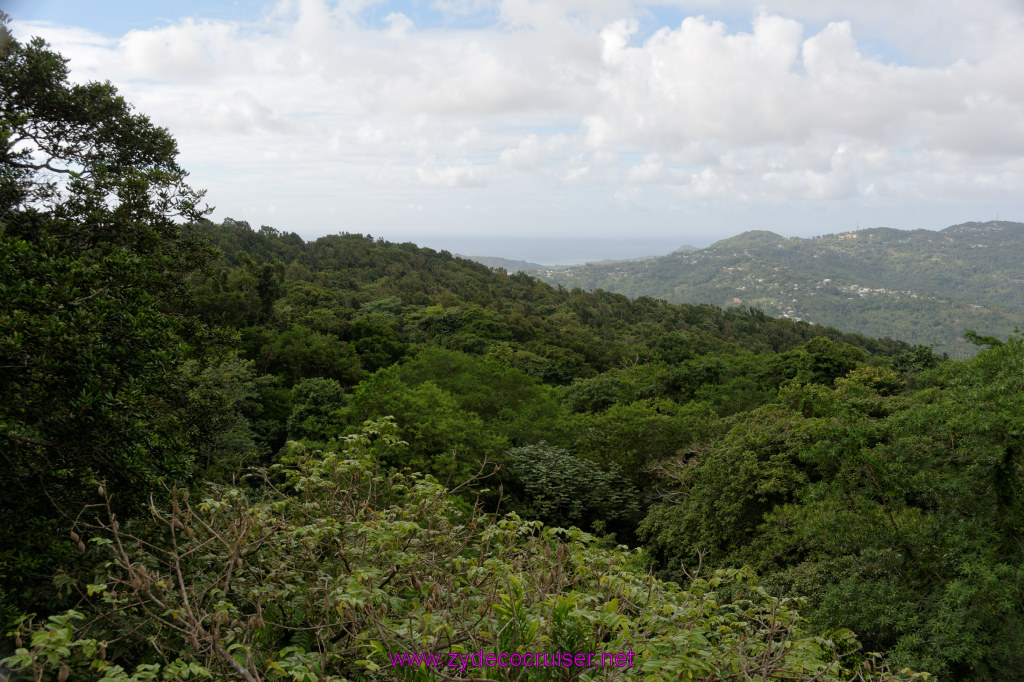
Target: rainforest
x=231 y=453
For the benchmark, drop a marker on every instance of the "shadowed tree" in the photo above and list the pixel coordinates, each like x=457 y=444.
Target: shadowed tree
x=95 y=256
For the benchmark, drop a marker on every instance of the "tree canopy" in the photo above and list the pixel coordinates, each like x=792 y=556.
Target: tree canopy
x=95 y=256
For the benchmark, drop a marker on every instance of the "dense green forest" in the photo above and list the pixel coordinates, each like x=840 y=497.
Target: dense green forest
x=921 y=286
x=230 y=453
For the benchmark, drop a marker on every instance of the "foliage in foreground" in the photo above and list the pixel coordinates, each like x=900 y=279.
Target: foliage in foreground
x=323 y=575
x=899 y=515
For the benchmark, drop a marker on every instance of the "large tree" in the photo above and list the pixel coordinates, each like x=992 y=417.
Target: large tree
x=95 y=256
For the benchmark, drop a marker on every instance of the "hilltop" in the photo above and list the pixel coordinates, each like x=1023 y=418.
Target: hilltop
x=507 y=264
x=921 y=286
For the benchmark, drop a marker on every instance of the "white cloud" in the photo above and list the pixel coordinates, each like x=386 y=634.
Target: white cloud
x=398 y=24
x=460 y=175
x=190 y=51
x=563 y=101
x=533 y=151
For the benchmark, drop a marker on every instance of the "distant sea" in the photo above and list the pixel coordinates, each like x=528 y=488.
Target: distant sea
x=556 y=251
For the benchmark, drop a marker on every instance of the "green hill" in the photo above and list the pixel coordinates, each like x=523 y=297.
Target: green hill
x=920 y=286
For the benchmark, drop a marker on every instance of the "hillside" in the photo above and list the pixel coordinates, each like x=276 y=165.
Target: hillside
x=920 y=286
x=506 y=264
x=684 y=429
x=676 y=426
x=335 y=284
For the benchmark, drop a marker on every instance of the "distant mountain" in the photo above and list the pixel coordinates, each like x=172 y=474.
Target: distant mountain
x=921 y=286
x=508 y=265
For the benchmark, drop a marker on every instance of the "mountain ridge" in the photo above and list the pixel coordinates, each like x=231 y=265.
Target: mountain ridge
x=922 y=286
x=509 y=265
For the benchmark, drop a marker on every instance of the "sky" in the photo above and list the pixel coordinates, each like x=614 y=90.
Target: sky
x=560 y=131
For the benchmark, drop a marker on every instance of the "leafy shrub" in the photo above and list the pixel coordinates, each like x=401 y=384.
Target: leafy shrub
x=897 y=515
x=563 y=489
x=344 y=563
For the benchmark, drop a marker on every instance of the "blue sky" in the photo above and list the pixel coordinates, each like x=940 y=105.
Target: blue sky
x=539 y=129
x=113 y=19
